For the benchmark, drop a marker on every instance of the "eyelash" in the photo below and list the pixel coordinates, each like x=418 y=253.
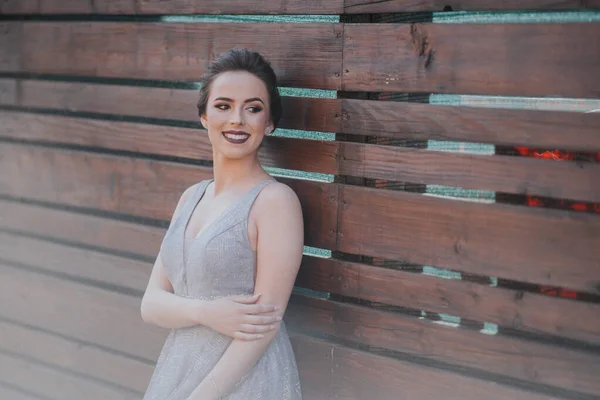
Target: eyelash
x=256 y=108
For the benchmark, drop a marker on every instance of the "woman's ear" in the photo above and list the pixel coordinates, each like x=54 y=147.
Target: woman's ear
x=204 y=121
x=269 y=129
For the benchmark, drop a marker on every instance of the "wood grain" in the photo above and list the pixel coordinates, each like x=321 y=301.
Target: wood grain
x=505 y=59
x=312 y=114
x=507 y=308
x=144 y=188
x=528 y=128
x=302 y=55
x=393 y=6
x=524 y=360
x=520 y=243
x=299 y=154
x=171 y=7
x=548 y=178
x=73 y=356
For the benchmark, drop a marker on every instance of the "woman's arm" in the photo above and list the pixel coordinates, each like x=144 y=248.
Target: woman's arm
x=235 y=316
x=279 y=252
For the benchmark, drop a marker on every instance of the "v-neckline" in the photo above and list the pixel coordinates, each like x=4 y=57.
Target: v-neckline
x=187 y=242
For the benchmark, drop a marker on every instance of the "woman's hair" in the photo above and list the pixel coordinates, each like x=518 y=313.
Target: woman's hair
x=238 y=59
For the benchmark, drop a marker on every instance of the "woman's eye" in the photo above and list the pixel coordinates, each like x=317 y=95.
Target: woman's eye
x=222 y=106
x=255 y=109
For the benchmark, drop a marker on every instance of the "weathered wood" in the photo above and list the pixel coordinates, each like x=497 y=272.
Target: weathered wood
x=171 y=7
x=82 y=312
x=520 y=243
x=55 y=384
x=74 y=356
x=528 y=128
x=394 y=6
x=144 y=188
x=8 y=91
x=312 y=114
x=305 y=155
x=545 y=59
x=569 y=180
x=523 y=360
x=508 y=308
x=303 y=55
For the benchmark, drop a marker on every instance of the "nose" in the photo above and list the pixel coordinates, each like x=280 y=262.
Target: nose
x=237 y=117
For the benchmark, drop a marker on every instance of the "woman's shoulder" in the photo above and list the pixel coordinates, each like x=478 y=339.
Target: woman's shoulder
x=277 y=198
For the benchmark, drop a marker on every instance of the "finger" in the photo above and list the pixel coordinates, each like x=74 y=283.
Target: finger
x=247 y=336
x=245 y=299
x=248 y=328
x=260 y=309
x=262 y=320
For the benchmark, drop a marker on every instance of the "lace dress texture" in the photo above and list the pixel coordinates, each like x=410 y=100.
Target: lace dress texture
x=218 y=262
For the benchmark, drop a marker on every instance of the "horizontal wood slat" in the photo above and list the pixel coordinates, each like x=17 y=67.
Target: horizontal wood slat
x=487 y=239
x=577 y=181
x=398 y=120
x=523 y=360
x=84 y=320
x=303 y=55
x=508 y=308
x=505 y=59
x=75 y=357
x=391 y=6
x=136 y=186
x=312 y=156
x=520 y=243
x=54 y=384
x=171 y=7
x=548 y=178
x=531 y=128
x=310 y=114
x=278 y=6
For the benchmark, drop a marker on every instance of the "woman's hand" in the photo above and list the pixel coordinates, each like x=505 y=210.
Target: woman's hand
x=240 y=318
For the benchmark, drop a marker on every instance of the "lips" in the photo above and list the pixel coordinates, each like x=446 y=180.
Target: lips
x=236 y=137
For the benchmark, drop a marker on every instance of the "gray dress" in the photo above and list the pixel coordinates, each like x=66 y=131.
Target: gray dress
x=218 y=262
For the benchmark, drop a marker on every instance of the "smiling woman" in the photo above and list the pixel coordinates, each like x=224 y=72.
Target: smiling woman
x=228 y=262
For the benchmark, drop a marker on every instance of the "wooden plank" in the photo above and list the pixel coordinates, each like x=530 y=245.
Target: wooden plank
x=312 y=114
x=8 y=391
x=170 y=7
x=80 y=358
x=54 y=384
x=506 y=59
x=518 y=243
x=84 y=264
x=303 y=55
x=85 y=318
x=8 y=91
x=299 y=154
x=394 y=6
x=118 y=236
x=80 y=312
x=144 y=188
x=508 y=308
x=570 y=180
x=330 y=371
x=533 y=362
x=528 y=128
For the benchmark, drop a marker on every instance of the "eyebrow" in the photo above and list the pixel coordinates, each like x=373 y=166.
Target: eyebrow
x=246 y=101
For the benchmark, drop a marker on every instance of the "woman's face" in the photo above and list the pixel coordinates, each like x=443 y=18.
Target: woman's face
x=237 y=114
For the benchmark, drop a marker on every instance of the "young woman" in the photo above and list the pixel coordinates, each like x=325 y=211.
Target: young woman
x=228 y=262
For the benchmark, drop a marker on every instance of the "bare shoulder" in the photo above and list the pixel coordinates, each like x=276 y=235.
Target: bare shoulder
x=277 y=199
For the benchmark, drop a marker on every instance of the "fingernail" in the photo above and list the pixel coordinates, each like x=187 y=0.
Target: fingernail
x=261 y=336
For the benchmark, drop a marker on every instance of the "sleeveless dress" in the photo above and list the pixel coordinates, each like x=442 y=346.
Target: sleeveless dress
x=218 y=262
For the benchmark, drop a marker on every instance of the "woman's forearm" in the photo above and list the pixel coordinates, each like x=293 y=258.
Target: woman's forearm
x=239 y=358
x=170 y=311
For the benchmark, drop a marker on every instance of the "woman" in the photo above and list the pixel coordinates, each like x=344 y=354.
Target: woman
x=228 y=262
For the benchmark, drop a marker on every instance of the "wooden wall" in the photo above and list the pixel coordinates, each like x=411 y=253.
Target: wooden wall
x=99 y=137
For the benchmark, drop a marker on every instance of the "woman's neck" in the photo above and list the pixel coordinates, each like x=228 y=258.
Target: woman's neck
x=229 y=173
